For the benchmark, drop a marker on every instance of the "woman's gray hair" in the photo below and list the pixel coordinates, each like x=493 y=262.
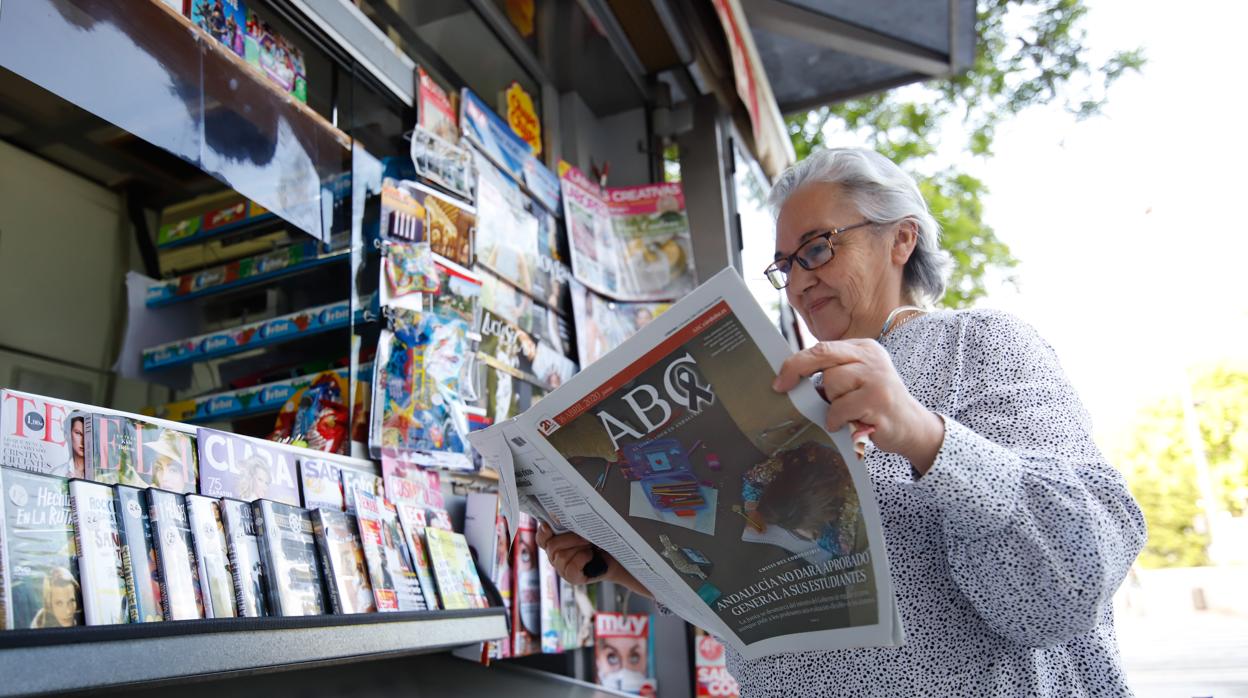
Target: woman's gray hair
x=883 y=193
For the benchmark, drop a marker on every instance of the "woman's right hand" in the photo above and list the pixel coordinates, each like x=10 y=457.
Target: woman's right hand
x=569 y=553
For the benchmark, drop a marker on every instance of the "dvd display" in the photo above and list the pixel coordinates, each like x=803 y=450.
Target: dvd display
x=396 y=586
x=138 y=555
x=346 y=573
x=212 y=557
x=243 y=468
x=98 y=540
x=288 y=548
x=246 y=567
x=321 y=483
x=41 y=587
x=175 y=555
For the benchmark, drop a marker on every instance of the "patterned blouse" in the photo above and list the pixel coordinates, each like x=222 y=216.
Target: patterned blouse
x=1006 y=554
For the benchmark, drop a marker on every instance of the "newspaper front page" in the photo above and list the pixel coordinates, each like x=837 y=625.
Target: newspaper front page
x=728 y=501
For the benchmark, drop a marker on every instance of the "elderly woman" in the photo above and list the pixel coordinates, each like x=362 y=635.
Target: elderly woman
x=1007 y=531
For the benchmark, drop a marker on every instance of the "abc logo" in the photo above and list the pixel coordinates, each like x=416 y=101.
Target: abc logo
x=34 y=421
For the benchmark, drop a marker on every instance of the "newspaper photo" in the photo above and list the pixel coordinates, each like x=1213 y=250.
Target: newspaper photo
x=728 y=501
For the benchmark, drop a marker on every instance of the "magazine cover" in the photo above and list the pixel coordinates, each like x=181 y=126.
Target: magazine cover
x=40 y=573
x=322 y=484
x=212 y=556
x=413 y=521
x=442 y=162
x=459 y=585
x=98 y=539
x=180 y=589
x=413 y=212
x=135 y=452
x=544 y=324
x=138 y=555
x=36 y=434
x=552 y=609
x=346 y=574
x=603 y=324
x=291 y=565
x=434 y=108
x=355 y=480
x=624 y=654
x=517 y=240
x=395 y=584
x=629 y=243
x=712 y=679
x=726 y=499
x=408 y=272
x=244 y=468
x=505 y=347
x=526 y=595
x=242 y=540
x=408 y=483
x=223 y=20
x=418 y=412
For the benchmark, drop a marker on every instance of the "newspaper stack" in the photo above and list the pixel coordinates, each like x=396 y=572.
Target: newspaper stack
x=729 y=501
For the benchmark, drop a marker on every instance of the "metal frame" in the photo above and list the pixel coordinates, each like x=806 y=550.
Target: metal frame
x=354 y=34
x=821 y=30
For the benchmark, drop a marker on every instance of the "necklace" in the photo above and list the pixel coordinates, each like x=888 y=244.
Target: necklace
x=893 y=323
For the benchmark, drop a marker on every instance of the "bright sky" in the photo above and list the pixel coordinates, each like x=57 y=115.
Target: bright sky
x=1132 y=244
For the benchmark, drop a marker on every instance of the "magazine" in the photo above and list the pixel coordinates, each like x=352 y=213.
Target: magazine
x=712 y=678
x=505 y=347
x=442 y=162
x=603 y=324
x=629 y=243
x=244 y=468
x=139 y=453
x=413 y=212
x=624 y=653
x=459 y=586
x=526 y=600
x=321 y=484
x=396 y=586
x=100 y=568
x=414 y=522
x=434 y=108
x=552 y=611
x=674 y=455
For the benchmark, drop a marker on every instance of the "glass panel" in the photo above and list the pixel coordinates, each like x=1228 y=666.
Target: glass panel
x=143 y=68
x=757 y=233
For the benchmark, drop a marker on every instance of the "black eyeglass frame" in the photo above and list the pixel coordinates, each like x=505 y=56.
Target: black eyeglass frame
x=775 y=268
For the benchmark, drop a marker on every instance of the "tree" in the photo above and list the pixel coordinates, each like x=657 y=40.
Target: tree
x=1158 y=464
x=1029 y=52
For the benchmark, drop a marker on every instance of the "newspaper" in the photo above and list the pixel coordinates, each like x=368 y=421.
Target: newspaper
x=728 y=501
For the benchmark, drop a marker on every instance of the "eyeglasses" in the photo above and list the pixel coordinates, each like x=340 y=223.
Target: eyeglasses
x=812 y=254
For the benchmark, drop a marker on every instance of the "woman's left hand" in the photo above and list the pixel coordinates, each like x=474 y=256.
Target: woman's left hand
x=861 y=385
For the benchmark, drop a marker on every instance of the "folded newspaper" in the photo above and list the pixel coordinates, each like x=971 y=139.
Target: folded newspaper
x=729 y=501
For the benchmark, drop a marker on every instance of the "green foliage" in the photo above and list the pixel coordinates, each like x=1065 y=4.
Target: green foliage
x=1030 y=52
x=1158 y=464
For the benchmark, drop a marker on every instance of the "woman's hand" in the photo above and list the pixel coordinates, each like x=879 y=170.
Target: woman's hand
x=861 y=385
x=569 y=553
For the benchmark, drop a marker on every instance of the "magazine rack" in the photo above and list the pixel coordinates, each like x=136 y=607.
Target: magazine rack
x=55 y=660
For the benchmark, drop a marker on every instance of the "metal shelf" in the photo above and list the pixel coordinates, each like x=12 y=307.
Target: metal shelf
x=56 y=660
x=263 y=398
x=248 y=271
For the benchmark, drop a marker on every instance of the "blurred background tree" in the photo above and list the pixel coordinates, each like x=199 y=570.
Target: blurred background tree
x=1158 y=462
x=1030 y=52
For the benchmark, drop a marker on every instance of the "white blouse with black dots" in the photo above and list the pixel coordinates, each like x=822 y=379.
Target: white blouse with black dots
x=1006 y=554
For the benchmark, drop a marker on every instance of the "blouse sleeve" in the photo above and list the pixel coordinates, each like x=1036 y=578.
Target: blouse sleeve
x=1040 y=530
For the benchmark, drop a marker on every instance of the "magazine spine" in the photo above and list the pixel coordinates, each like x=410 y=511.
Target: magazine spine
x=6 y=576
x=320 y=531
x=88 y=447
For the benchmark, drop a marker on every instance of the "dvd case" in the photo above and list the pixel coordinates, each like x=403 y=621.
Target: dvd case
x=246 y=568
x=138 y=555
x=175 y=555
x=98 y=538
x=321 y=482
x=412 y=519
x=292 y=568
x=459 y=586
x=342 y=556
x=212 y=557
x=396 y=586
x=244 y=468
x=133 y=451
x=41 y=588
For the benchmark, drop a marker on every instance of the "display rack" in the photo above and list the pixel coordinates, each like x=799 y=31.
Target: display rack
x=33 y=661
x=251 y=401
x=248 y=271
